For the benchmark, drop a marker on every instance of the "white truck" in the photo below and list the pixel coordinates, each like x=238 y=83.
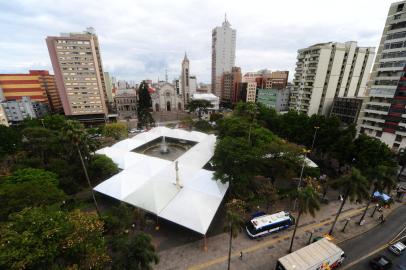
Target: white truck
x=321 y=255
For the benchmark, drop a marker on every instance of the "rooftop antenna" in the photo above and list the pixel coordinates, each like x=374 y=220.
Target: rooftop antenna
x=225 y=16
x=166 y=75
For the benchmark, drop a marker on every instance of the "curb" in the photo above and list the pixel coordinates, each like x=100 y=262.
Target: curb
x=373 y=227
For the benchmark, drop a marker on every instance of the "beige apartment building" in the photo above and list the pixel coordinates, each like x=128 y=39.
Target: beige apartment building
x=79 y=74
x=327 y=70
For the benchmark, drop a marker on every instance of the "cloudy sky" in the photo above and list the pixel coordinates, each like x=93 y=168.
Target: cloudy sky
x=141 y=38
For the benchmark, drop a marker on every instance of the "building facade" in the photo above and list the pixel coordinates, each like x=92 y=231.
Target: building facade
x=327 y=70
x=347 y=109
x=277 y=99
x=38 y=85
x=18 y=110
x=222 y=55
x=126 y=105
x=383 y=115
x=166 y=98
x=79 y=76
x=275 y=80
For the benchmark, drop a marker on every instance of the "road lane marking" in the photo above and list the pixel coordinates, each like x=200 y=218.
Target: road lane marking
x=267 y=243
x=364 y=257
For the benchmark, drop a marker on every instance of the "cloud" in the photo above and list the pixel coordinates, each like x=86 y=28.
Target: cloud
x=141 y=39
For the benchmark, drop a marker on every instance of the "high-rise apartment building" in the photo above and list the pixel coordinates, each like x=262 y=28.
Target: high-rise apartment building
x=383 y=114
x=79 y=74
x=222 y=55
x=328 y=70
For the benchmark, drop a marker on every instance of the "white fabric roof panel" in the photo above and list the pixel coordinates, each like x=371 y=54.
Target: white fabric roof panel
x=150 y=183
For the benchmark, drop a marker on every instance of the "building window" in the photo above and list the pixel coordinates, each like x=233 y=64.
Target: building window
x=379 y=134
x=398 y=138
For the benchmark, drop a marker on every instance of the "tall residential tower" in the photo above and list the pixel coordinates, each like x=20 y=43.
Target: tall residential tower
x=222 y=54
x=384 y=114
x=79 y=74
x=328 y=70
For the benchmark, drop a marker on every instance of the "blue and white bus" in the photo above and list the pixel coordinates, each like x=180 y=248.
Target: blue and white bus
x=263 y=224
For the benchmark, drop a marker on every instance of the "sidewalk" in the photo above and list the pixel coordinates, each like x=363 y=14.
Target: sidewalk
x=263 y=253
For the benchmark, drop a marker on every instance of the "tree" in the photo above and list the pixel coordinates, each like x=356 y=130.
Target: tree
x=102 y=167
x=48 y=238
x=308 y=201
x=236 y=162
x=10 y=140
x=40 y=142
x=144 y=105
x=199 y=105
x=202 y=125
x=76 y=134
x=117 y=131
x=384 y=178
x=355 y=187
x=402 y=161
x=26 y=188
x=234 y=221
x=136 y=253
x=267 y=193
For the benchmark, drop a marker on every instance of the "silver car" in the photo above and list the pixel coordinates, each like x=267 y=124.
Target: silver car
x=397 y=248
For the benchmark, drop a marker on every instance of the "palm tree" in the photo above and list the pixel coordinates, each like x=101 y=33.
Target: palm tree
x=402 y=161
x=235 y=210
x=384 y=178
x=355 y=187
x=76 y=134
x=308 y=201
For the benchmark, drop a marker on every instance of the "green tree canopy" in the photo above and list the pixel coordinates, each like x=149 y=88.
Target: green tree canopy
x=10 y=140
x=135 y=253
x=199 y=105
x=117 y=131
x=26 y=188
x=101 y=167
x=47 y=238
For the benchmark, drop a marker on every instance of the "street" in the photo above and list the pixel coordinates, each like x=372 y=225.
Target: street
x=361 y=249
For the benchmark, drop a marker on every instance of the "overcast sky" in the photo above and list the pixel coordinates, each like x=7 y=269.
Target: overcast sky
x=139 y=39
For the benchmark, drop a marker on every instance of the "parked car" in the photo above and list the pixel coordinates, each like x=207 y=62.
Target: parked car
x=397 y=248
x=380 y=262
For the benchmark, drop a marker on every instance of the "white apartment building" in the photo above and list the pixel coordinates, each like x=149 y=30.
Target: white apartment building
x=223 y=54
x=327 y=70
x=383 y=115
x=79 y=74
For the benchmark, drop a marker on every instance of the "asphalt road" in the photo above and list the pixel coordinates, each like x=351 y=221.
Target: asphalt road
x=365 y=245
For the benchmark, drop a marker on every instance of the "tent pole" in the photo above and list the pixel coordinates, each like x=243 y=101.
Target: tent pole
x=205 y=243
x=157 y=223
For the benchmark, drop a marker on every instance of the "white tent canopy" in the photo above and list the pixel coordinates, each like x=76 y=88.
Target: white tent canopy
x=150 y=183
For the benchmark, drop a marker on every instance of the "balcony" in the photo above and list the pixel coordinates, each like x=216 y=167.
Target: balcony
x=383 y=104
x=377 y=120
x=376 y=111
x=380 y=92
x=369 y=126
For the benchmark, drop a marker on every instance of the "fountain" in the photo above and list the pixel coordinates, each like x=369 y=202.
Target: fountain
x=164 y=147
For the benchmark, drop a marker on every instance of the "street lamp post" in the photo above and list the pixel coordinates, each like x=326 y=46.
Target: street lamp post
x=345 y=225
x=314 y=136
x=373 y=212
x=301 y=174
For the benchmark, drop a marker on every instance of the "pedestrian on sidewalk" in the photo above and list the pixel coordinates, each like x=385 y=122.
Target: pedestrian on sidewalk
x=240 y=255
x=381 y=218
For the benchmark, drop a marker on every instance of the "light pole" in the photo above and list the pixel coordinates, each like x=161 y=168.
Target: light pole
x=314 y=136
x=301 y=174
